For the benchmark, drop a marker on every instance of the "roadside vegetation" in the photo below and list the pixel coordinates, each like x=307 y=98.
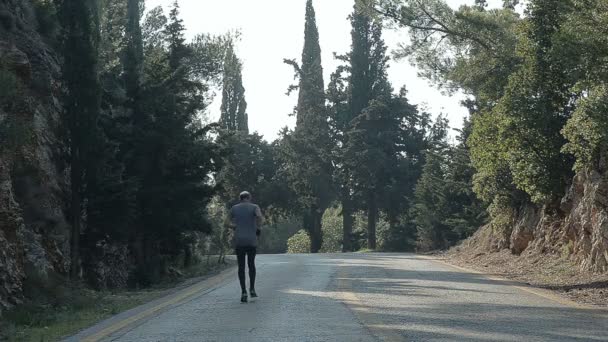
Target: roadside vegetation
x=145 y=176
x=58 y=308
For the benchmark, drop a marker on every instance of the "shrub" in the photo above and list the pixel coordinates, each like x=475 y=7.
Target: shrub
x=332 y=230
x=299 y=243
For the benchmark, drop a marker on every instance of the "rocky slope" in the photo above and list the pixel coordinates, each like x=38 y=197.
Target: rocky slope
x=34 y=240
x=577 y=232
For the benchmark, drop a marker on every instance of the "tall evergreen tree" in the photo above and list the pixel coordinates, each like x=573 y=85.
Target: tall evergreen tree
x=307 y=148
x=339 y=120
x=374 y=126
x=80 y=21
x=175 y=34
x=234 y=107
x=172 y=156
x=134 y=52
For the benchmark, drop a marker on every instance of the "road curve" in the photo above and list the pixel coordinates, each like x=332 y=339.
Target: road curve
x=370 y=297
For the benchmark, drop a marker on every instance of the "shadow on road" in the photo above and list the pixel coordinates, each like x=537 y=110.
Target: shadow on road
x=399 y=297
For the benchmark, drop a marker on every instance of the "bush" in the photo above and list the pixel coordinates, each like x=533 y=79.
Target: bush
x=299 y=243
x=332 y=230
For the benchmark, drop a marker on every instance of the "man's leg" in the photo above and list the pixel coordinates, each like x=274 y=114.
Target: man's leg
x=240 y=257
x=251 y=265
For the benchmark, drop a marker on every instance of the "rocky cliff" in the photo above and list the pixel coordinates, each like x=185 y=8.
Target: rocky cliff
x=578 y=230
x=34 y=240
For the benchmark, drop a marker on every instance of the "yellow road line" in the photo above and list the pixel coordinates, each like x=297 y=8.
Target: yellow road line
x=547 y=294
x=180 y=297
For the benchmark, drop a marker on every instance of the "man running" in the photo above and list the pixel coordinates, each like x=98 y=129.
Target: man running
x=246 y=220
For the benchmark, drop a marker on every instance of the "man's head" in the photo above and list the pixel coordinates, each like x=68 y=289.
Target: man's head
x=245 y=196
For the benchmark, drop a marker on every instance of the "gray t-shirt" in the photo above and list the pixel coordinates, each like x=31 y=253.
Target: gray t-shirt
x=244 y=217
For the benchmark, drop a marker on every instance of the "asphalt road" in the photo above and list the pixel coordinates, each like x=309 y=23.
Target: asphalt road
x=370 y=297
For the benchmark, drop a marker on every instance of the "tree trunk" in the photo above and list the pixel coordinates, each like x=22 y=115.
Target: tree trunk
x=138 y=249
x=188 y=255
x=313 y=221
x=372 y=219
x=347 y=222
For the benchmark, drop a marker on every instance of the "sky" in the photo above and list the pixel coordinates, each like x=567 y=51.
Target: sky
x=272 y=30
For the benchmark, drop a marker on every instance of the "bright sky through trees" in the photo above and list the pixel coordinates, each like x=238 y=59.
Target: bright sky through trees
x=273 y=29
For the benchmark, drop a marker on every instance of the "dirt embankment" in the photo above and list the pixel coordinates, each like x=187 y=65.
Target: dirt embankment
x=547 y=271
x=565 y=250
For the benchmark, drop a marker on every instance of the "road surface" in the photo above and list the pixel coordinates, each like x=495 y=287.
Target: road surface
x=370 y=297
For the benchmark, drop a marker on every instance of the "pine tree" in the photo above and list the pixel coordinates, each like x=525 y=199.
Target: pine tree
x=175 y=34
x=307 y=148
x=234 y=107
x=431 y=197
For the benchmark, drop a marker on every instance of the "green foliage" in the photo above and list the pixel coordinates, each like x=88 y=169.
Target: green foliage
x=155 y=159
x=371 y=128
x=537 y=93
x=152 y=174
x=586 y=130
x=430 y=205
x=446 y=210
x=332 y=230
x=584 y=40
x=379 y=139
x=503 y=214
x=299 y=243
x=276 y=233
x=234 y=107
x=305 y=152
x=252 y=164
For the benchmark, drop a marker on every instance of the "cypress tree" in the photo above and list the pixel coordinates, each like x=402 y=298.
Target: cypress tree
x=136 y=144
x=350 y=103
x=234 y=107
x=308 y=146
x=80 y=21
x=370 y=139
x=311 y=99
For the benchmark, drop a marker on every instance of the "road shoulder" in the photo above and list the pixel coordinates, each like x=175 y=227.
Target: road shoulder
x=525 y=283
x=131 y=318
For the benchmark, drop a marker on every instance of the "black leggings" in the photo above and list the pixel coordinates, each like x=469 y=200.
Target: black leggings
x=240 y=256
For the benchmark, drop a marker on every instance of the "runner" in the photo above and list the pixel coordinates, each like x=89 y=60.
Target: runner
x=246 y=220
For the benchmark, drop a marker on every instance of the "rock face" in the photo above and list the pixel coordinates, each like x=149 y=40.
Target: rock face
x=34 y=234
x=579 y=230
x=585 y=227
